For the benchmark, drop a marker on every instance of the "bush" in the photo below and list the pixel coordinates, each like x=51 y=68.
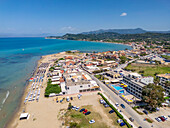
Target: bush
x=52 y=69
x=61 y=59
x=149 y=120
x=140 y=113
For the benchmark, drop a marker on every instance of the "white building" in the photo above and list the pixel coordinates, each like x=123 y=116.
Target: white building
x=77 y=83
x=136 y=83
x=164 y=79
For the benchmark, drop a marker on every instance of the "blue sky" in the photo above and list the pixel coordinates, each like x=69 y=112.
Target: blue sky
x=61 y=16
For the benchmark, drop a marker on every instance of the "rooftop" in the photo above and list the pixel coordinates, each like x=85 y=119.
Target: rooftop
x=78 y=78
x=164 y=75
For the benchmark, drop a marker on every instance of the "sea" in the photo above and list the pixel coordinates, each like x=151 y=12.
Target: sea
x=18 y=60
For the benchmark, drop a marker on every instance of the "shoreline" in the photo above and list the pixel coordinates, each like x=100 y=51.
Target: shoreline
x=21 y=102
x=93 y=41
x=13 y=121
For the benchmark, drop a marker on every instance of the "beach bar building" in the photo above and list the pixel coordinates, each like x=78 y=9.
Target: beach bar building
x=23 y=116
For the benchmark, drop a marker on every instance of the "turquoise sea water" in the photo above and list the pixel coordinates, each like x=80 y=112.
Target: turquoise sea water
x=18 y=58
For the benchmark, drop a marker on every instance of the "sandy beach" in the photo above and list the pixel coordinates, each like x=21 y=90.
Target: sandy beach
x=29 y=106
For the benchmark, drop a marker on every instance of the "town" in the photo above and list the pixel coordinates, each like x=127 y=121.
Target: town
x=132 y=85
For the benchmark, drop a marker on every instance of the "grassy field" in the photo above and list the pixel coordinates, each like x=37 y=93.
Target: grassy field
x=148 y=70
x=51 y=88
x=166 y=57
x=82 y=121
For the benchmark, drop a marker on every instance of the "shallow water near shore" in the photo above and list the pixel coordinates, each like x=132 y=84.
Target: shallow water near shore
x=18 y=59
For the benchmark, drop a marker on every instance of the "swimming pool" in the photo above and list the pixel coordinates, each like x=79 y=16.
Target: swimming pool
x=117 y=88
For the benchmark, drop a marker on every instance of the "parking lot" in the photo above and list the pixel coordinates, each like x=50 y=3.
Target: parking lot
x=165 y=111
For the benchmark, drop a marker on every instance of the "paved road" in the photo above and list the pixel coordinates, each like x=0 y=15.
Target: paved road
x=124 y=65
x=128 y=111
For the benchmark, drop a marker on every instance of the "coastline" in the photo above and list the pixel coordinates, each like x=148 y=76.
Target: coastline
x=93 y=41
x=13 y=121
x=21 y=102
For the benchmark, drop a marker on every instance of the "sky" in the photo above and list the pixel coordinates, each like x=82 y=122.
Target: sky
x=56 y=17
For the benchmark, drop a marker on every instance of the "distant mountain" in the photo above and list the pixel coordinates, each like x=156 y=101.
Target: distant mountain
x=123 y=31
x=112 y=37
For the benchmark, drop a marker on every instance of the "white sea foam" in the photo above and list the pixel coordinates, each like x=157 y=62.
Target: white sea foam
x=7 y=94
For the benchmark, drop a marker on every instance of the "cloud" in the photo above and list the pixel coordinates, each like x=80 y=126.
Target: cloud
x=68 y=29
x=124 y=14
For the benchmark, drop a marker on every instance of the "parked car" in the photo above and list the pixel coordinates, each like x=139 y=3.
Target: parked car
x=158 y=119
x=87 y=113
x=140 y=127
x=61 y=101
x=162 y=118
x=169 y=116
x=77 y=108
x=119 y=121
x=122 y=124
x=146 y=112
x=131 y=119
x=131 y=126
x=79 y=95
x=82 y=109
x=111 y=111
x=74 y=107
x=106 y=105
x=67 y=99
x=71 y=98
x=117 y=104
x=92 y=121
x=101 y=101
x=123 y=106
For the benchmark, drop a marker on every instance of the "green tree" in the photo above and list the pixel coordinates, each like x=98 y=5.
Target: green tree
x=153 y=95
x=123 y=59
x=52 y=69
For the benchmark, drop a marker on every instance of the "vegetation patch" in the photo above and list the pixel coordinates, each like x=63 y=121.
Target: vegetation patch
x=166 y=57
x=148 y=70
x=166 y=98
x=76 y=119
x=52 y=69
x=51 y=88
x=61 y=59
x=135 y=108
x=123 y=59
x=153 y=95
x=149 y=120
